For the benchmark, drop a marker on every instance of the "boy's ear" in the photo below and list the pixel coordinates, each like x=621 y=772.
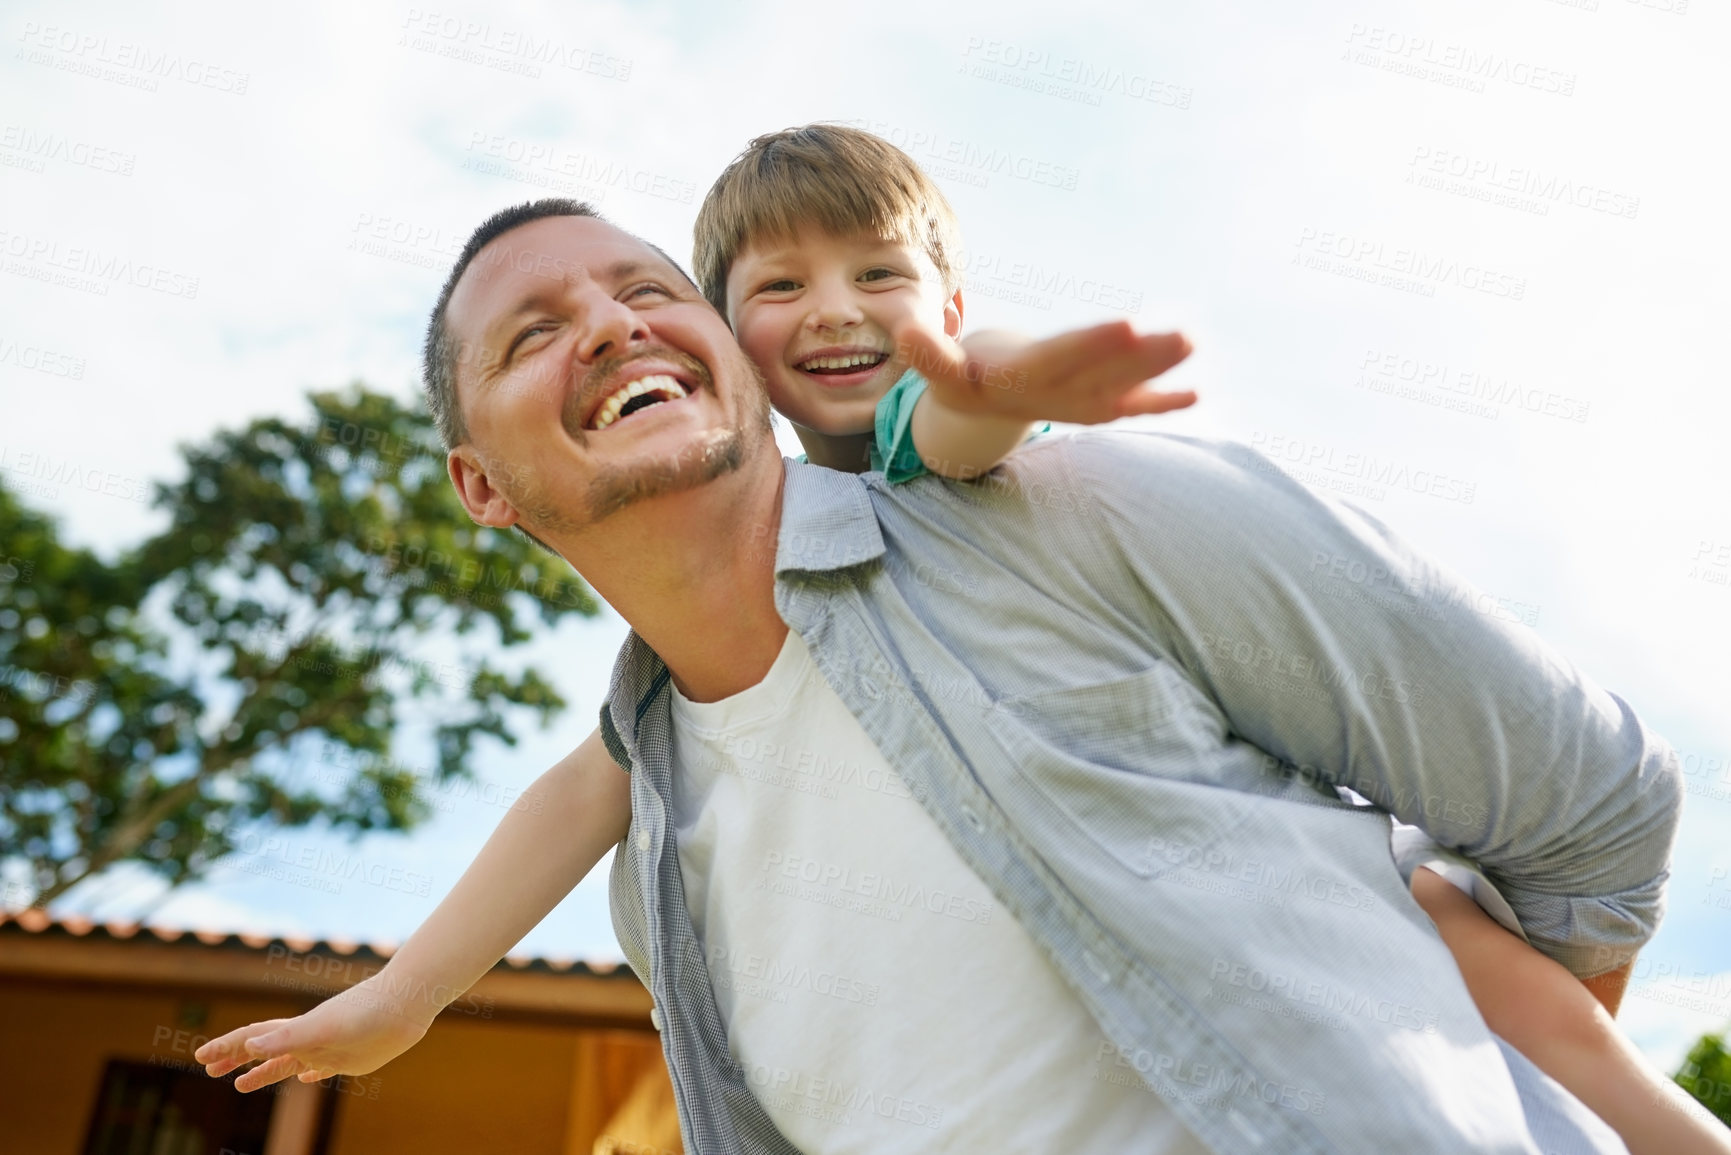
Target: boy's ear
x=953 y=316
x=485 y=503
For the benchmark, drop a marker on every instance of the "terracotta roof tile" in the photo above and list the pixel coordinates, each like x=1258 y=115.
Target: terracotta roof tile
x=35 y=921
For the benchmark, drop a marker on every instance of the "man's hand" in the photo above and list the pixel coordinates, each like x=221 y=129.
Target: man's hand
x=1086 y=376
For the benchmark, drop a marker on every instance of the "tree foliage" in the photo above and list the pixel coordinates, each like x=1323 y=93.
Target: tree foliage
x=1706 y=1074
x=316 y=583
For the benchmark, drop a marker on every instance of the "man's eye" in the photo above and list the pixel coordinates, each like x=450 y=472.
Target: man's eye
x=648 y=287
x=524 y=336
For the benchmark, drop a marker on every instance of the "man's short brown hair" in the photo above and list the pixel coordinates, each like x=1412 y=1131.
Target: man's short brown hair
x=840 y=179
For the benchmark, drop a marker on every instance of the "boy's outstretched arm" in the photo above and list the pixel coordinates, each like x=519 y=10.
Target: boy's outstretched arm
x=1552 y=1018
x=984 y=394
x=544 y=846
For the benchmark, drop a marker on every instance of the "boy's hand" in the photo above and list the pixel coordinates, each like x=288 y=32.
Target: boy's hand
x=1085 y=376
x=352 y=1033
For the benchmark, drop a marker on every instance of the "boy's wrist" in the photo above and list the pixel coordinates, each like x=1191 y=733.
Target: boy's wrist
x=417 y=995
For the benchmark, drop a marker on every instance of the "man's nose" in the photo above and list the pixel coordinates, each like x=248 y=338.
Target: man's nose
x=608 y=327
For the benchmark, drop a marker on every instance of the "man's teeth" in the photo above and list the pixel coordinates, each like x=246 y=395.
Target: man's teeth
x=667 y=387
x=846 y=361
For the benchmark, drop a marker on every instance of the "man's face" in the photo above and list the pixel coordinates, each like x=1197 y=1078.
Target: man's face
x=816 y=314
x=591 y=375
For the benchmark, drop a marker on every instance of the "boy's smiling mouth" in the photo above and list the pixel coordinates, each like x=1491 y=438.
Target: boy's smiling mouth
x=842 y=365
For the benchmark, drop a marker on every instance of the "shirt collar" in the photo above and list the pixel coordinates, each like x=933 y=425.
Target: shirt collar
x=827 y=520
x=827 y=523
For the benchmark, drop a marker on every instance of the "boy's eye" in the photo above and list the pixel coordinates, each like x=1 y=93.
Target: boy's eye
x=782 y=286
x=878 y=274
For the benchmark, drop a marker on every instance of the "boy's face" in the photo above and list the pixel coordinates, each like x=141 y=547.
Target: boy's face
x=816 y=313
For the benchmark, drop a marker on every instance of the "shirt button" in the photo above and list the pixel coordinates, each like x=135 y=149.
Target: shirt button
x=869 y=688
x=1095 y=965
x=974 y=820
x=655 y=1017
x=643 y=840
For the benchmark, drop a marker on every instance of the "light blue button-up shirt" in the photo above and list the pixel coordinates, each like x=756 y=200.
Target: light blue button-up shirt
x=1125 y=675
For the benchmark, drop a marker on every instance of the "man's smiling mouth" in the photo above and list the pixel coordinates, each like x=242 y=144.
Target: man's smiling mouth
x=636 y=396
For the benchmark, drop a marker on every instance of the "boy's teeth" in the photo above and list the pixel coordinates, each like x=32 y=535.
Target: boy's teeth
x=846 y=361
x=661 y=383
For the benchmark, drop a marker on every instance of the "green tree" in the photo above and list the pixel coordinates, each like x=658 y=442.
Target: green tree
x=317 y=584
x=1706 y=1074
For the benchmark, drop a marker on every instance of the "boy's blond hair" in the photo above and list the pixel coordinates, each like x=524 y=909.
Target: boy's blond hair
x=840 y=179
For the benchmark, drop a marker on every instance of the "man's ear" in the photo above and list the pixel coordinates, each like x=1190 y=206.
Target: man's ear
x=485 y=503
x=953 y=316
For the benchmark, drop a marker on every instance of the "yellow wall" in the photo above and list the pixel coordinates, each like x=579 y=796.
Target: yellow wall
x=470 y=1086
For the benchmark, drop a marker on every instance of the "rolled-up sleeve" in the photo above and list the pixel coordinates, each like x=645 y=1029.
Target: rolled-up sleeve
x=1332 y=645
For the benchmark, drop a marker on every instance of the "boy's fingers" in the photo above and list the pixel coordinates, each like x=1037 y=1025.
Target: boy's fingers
x=933 y=357
x=272 y=1043
x=1149 y=358
x=1149 y=399
x=230 y=1051
x=273 y=1071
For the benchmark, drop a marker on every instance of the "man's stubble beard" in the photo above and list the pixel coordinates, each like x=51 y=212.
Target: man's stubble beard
x=621 y=486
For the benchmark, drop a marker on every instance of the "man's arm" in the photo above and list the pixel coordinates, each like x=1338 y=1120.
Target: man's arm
x=1332 y=645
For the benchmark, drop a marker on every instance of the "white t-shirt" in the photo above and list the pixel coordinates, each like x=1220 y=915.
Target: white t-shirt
x=877 y=995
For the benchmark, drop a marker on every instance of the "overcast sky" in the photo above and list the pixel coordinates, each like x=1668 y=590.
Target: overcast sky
x=1456 y=262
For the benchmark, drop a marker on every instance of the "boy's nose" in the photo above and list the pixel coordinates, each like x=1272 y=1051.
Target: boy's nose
x=833 y=307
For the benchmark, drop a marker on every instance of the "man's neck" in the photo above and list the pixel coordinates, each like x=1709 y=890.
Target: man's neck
x=694 y=574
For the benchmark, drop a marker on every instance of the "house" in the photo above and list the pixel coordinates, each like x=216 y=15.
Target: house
x=99 y=1022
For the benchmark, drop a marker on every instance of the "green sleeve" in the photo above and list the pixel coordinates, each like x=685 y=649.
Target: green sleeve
x=893 y=452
